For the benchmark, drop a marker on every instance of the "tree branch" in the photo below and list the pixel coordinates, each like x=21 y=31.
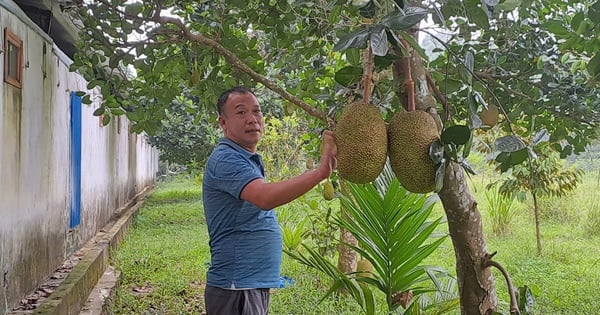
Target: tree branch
x=439 y=96
x=488 y=262
x=238 y=64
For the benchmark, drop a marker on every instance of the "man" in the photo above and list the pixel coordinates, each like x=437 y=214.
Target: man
x=245 y=240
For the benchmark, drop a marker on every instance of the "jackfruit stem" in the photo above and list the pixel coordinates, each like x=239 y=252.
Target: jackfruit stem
x=409 y=84
x=368 y=76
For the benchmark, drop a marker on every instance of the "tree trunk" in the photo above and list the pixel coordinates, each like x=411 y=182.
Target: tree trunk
x=538 y=235
x=347 y=256
x=475 y=283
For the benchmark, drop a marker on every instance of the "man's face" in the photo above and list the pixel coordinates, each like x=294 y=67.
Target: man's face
x=242 y=120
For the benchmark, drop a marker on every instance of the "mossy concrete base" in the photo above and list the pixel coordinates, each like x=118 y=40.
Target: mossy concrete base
x=102 y=295
x=73 y=292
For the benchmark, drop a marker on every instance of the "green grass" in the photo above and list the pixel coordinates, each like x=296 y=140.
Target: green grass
x=164 y=256
x=565 y=277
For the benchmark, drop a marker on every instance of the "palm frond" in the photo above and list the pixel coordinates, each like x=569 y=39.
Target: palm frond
x=393 y=230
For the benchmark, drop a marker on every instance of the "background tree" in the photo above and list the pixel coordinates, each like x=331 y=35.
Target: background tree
x=186 y=136
x=544 y=175
x=510 y=54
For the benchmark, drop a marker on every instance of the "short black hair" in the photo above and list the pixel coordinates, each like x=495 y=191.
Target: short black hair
x=225 y=95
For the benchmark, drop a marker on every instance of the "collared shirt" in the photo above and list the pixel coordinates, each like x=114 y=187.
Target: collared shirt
x=245 y=241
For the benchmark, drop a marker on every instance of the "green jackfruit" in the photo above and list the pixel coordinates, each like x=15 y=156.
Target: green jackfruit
x=409 y=136
x=328 y=190
x=310 y=163
x=361 y=139
x=490 y=115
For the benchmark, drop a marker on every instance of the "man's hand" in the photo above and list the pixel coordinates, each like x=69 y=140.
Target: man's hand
x=328 y=154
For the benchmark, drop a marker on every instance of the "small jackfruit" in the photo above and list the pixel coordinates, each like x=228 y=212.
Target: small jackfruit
x=364 y=268
x=361 y=139
x=194 y=78
x=490 y=115
x=410 y=134
x=289 y=108
x=328 y=190
x=310 y=163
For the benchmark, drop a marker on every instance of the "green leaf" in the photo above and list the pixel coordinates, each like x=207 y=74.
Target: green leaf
x=356 y=39
x=479 y=17
x=86 y=99
x=105 y=120
x=467 y=147
x=382 y=62
x=369 y=10
x=451 y=85
x=440 y=170
x=576 y=20
x=457 y=134
x=469 y=63
x=398 y=20
x=517 y=157
x=117 y=111
x=557 y=28
x=134 y=9
x=80 y=93
x=393 y=39
x=379 y=42
x=502 y=157
x=508 y=5
x=525 y=299
x=566 y=151
x=594 y=13
x=99 y=111
x=413 y=43
x=593 y=65
x=348 y=75
x=509 y=143
x=353 y=56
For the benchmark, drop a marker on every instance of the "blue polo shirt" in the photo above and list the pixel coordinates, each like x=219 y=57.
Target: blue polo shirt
x=245 y=241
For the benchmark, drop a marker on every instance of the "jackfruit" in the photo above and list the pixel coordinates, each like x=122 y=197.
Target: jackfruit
x=361 y=139
x=194 y=78
x=364 y=268
x=328 y=190
x=489 y=116
x=409 y=136
x=310 y=163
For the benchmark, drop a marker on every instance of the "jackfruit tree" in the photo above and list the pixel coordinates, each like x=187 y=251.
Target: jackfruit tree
x=535 y=61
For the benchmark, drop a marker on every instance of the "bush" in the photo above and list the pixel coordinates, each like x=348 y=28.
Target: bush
x=592 y=224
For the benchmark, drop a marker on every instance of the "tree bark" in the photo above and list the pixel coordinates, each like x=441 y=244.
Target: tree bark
x=346 y=255
x=475 y=282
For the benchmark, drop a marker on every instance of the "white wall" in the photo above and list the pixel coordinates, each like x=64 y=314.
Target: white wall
x=35 y=165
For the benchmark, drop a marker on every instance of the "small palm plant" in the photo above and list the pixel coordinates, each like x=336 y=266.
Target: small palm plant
x=394 y=234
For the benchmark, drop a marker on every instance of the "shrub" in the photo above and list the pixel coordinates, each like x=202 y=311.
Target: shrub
x=500 y=210
x=592 y=224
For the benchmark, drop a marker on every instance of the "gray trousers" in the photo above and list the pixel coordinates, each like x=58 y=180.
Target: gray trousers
x=236 y=302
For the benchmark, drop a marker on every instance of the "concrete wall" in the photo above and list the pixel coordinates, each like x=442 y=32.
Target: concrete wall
x=35 y=165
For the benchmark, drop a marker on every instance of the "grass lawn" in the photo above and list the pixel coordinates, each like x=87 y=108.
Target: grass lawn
x=164 y=257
